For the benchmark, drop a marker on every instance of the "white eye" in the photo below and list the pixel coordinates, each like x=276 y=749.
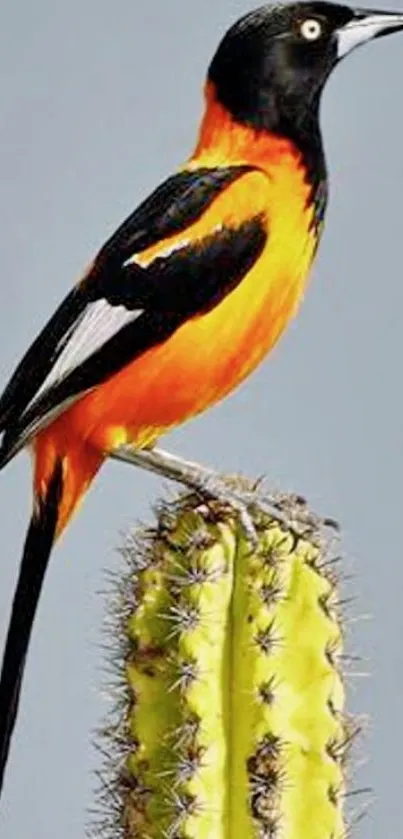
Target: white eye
x=311 y=29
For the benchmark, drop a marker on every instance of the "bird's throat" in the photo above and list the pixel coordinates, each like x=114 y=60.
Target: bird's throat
x=224 y=140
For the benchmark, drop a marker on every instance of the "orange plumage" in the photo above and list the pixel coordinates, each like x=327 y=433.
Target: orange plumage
x=209 y=355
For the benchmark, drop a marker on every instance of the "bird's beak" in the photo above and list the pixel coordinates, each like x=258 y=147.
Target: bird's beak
x=364 y=26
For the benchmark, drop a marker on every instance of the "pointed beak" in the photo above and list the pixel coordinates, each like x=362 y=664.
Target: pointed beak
x=364 y=26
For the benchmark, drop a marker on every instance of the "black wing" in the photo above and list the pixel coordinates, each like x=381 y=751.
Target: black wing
x=121 y=309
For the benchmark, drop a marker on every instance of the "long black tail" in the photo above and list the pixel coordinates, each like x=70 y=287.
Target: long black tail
x=38 y=545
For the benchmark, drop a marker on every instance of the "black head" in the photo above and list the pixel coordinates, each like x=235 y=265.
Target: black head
x=270 y=68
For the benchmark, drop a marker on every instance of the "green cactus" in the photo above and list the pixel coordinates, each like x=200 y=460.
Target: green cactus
x=232 y=725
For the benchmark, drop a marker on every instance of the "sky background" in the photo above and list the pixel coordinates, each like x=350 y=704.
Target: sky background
x=98 y=102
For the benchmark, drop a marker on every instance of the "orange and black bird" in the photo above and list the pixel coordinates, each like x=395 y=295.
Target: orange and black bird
x=193 y=289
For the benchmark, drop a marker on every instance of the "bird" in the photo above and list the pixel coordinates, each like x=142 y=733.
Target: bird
x=190 y=293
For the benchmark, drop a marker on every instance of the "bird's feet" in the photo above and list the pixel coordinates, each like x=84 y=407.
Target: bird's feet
x=248 y=499
x=230 y=493
x=239 y=494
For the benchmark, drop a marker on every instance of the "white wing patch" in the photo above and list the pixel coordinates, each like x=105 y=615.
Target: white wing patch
x=99 y=322
x=145 y=260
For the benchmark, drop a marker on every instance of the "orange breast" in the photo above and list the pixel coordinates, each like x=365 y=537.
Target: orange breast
x=209 y=356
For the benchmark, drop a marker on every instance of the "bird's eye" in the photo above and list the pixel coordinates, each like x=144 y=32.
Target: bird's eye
x=311 y=29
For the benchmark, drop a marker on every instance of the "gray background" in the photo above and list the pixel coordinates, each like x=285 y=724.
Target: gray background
x=98 y=102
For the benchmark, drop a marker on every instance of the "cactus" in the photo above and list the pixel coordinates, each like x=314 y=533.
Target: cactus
x=232 y=723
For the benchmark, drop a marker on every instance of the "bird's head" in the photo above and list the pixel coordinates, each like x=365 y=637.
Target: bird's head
x=270 y=68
